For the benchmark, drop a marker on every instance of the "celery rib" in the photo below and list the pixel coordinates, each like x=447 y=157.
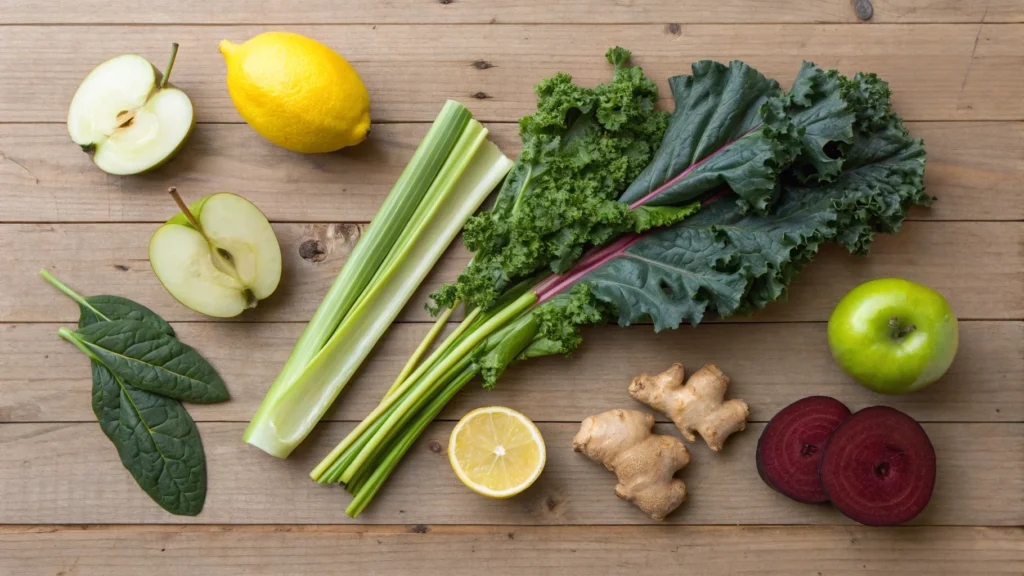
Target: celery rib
x=384 y=276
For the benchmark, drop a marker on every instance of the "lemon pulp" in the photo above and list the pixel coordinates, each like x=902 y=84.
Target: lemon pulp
x=496 y=451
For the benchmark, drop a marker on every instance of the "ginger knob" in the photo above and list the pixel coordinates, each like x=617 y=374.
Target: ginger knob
x=698 y=407
x=644 y=462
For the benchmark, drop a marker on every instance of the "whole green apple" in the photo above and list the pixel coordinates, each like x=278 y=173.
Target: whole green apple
x=893 y=336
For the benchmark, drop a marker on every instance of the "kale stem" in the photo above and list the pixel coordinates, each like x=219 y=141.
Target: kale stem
x=452 y=340
x=389 y=400
x=345 y=458
x=422 y=348
x=376 y=442
x=386 y=465
x=415 y=398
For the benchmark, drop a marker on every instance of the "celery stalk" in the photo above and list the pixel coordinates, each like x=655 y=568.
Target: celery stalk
x=363 y=429
x=380 y=236
x=289 y=412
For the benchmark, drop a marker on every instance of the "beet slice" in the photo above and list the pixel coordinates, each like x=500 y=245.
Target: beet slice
x=789 y=450
x=878 y=467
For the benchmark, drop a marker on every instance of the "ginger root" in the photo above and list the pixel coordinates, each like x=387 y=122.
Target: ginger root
x=696 y=407
x=644 y=463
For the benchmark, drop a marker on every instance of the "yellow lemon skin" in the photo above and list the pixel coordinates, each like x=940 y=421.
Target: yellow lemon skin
x=297 y=93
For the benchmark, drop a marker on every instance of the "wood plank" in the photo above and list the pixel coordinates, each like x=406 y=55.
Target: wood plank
x=494 y=11
x=511 y=550
x=121 y=251
x=410 y=70
x=44 y=379
x=976 y=169
x=988 y=284
x=996 y=48
x=69 y=473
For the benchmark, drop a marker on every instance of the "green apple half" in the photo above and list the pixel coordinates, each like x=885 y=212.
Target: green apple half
x=222 y=260
x=126 y=114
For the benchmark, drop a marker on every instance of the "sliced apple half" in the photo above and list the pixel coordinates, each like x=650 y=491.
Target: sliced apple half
x=218 y=257
x=126 y=114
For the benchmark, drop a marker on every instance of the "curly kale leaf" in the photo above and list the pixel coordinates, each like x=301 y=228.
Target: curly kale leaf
x=581 y=149
x=722 y=261
x=734 y=128
x=853 y=171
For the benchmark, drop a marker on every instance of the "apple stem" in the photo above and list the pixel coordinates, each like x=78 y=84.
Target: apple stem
x=184 y=210
x=898 y=330
x=170 y=65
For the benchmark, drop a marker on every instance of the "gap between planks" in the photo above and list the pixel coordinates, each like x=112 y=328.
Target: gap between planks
x=975 y=169
x=42 y=378
x=925 y=64
x=68 y=474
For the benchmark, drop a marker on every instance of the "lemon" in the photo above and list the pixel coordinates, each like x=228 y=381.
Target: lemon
x=297 y=93
x=496 y=451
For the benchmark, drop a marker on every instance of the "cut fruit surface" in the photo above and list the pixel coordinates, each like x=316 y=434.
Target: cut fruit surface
x=120 y=84
x=152 y=135
x=236 y=225
x=181 y=259
x=126 y=114
x=496 y=451
x=878 y=467
x=789 y=450
x=224 y=269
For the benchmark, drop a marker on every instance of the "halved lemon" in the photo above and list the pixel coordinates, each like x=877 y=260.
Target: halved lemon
x=496 y=451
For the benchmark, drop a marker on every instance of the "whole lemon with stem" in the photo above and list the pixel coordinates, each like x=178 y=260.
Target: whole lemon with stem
x=297 y=93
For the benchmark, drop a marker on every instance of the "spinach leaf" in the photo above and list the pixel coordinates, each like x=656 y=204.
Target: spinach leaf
x=147 y=358
x=156 y=439
x=104 y=308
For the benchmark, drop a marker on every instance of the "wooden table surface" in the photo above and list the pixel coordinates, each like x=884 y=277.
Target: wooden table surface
x=68 y=507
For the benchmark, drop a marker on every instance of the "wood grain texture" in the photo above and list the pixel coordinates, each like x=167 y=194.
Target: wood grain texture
x=112 y=258
x=69 y=473
x=954 y=68
x=938 y=72
x=975 y=169
x=496 y=11
x=511 y=550
x=43 y=379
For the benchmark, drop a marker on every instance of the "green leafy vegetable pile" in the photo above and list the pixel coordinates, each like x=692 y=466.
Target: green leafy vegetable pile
x=746 y=184
x=140 y=371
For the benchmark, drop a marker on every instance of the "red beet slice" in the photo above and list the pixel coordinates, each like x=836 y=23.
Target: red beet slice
x=878 y=467
x=790 y=448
